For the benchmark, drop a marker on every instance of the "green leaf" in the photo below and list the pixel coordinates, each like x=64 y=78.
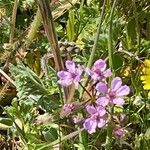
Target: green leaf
x=28 y=84
x=147 y=134
x=51 y=135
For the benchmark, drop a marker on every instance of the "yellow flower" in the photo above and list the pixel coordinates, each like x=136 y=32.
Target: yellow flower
x=146 y=75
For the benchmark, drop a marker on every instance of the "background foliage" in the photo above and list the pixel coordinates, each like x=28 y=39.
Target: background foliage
x=30 y=109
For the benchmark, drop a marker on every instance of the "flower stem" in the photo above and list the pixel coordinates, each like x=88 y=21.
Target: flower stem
x=13 y=21
x=91 y=59
x=108 y=144
x=110 y=37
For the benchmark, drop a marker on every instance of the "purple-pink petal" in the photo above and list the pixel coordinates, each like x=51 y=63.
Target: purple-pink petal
x=101 y=123
x=102 y=101
x=95 y=76
x=79 y=70
x=65 y=82
x=101 y=87
x=63 y=74
x=91 y=109
x=90 y=125
x=101 y=111
x=119 y=132
x=100 y=65
x=118 y=101
x=70 y=65
x=116 y=83
x=123 y=91
x=107 y=73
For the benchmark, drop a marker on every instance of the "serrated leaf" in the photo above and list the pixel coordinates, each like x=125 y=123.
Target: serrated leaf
x=28 y=84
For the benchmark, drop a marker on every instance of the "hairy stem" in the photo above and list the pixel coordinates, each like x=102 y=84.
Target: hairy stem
x=34 y=28
x=13 y=21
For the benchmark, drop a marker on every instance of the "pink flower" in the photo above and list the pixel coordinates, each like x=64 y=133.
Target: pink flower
x=119 y=132
x=99 y=71
x=113 y=94
x=96 y=118
x=71 y=76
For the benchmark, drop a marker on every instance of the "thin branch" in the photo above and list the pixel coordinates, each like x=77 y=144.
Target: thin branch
x=49 y=27
x=7 y=77
x=13 y=21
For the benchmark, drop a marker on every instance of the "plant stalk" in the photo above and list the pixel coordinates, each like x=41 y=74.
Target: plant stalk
x=49 y=27
x=91 y=59
x=13 y=21
x=108 y=144
x=110 y=37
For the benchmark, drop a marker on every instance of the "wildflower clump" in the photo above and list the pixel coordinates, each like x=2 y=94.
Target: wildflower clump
x=102 y=94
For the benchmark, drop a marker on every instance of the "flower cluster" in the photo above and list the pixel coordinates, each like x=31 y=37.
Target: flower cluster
x=104 y=96
x=71 y=76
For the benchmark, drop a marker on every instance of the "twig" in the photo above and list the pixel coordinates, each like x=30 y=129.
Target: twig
x=7 y=77
x=13 y=21
x=49 y=27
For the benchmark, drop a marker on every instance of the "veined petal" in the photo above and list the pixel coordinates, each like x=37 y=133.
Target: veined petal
x=65 y=82
x=100 y=65
x=90 y=125
x=118 y=101
x=70 y=65
x=95 y=76
x=101 y=87
x=101 y=111
x=107 y=73
x=102 y=101
x=123 y=90
x=79 y=70
x=116 y=83
x=91 y=109
x=63 y=75
x=101 y=123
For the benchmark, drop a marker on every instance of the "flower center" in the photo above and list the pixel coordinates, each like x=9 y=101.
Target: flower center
x=112 y=95
x=73 y=75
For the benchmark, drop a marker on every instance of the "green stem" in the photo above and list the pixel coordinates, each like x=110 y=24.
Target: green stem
x=91 y=59
x=110 y=37
x=83 y=136
x=137 y=25
x=67 y=137
x=109 y=139
x=108 y=144
x=34 y=28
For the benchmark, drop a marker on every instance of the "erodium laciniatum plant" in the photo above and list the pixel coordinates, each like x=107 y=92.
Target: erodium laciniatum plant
x=101 y=96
